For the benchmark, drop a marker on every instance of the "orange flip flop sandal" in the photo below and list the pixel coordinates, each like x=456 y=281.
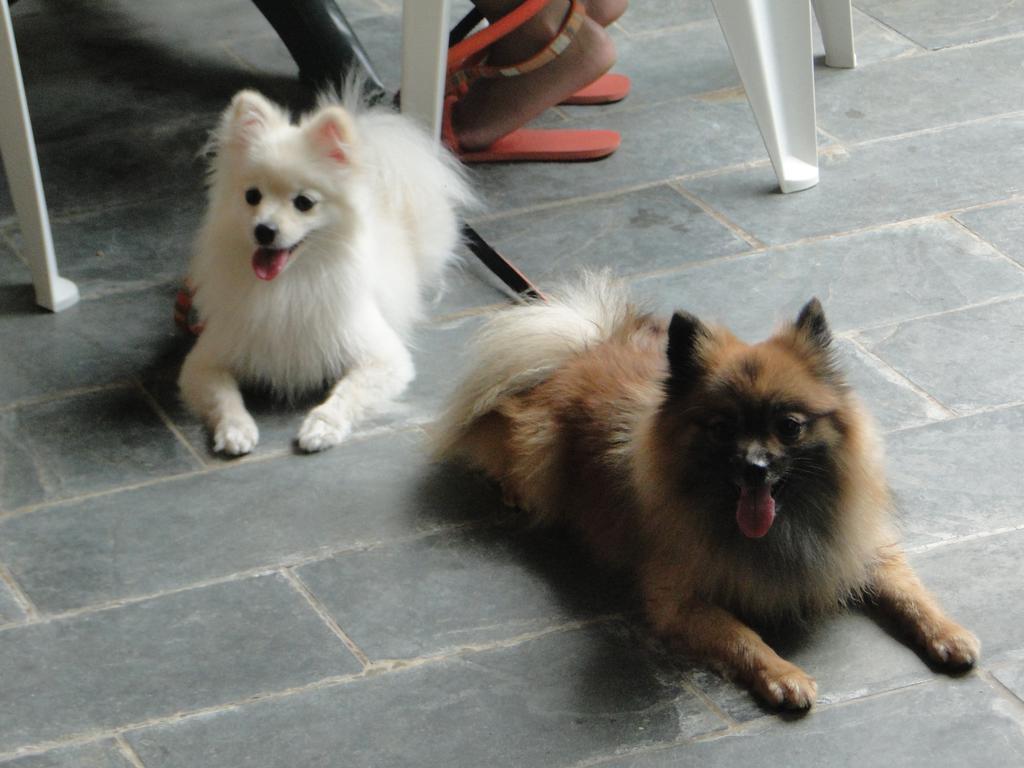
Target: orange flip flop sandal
x=607 y=89
x=467 y=63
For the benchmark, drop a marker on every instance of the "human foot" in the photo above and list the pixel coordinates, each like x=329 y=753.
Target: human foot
x=605 y=12
x=494 y=107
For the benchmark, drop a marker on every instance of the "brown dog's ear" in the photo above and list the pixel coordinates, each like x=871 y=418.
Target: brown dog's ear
x=811 y=324
x=685 y=335
x=332 y=132
x=813 y=338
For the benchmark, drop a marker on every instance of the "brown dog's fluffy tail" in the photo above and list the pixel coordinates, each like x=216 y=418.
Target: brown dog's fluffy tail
x=521 y=346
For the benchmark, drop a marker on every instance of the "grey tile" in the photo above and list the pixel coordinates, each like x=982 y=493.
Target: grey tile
x=979 y=584
x=849 y=655
x=689 y=136
x=13 y=271
x=891 y=400
x=170 y=535
x=936 y=24
x=103 y=256
x=422 y=597
x=960 y=723
x=181 y=652
x=93 y=343
x=1012 y=676
x=968 y=360
x=863 y=280
x=919 y=92
x=1001 y=225
x=654 y=15
x=959 y=477
x=63 y=448
x=10 y=609
x=554 y=701
x=125 y=85
x=669 y=65
x=873 y=42
x=148 y=161
x=669 y=61
x=876 y=183
x=642 y=231
x=103 y=754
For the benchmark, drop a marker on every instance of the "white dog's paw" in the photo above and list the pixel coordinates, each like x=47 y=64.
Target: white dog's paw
x=322 y=430
x=236 y=435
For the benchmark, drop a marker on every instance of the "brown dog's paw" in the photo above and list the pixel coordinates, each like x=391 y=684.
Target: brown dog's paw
x=953 y=646
x=786 y=686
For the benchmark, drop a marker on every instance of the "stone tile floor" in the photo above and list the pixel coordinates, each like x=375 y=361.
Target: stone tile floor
x=162 y=607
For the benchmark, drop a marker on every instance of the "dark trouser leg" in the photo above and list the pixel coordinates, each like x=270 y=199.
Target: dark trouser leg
x=319 y=38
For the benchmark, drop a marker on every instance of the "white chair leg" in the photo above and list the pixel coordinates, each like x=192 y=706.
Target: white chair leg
x=17 y=146
x=835 y=18
x=424 y=53
x=771 y=45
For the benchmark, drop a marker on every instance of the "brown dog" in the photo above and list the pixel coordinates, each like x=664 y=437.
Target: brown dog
x=730 y=479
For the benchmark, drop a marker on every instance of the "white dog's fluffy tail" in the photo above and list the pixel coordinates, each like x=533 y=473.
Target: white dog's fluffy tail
x=422 y=182
x=521 y=346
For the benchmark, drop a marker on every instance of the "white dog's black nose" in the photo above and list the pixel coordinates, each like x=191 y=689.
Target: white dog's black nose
x=265 y=233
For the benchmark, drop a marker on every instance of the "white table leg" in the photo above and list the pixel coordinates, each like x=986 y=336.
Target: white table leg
x=424 y=52
x=17 y=146
x=771 y=45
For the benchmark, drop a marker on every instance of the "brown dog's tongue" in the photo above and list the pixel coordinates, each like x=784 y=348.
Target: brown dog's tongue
x=267 y=263
x=755 y=511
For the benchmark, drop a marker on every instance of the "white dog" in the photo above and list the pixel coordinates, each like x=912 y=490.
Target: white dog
x=318 y=243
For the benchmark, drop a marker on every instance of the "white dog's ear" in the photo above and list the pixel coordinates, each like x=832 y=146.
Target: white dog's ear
x=333 y=133
x=249 y=115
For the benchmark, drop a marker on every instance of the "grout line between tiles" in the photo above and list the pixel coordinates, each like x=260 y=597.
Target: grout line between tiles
x=334 y=681
x=922 y=548
x=708 y=702
x=392 y=665
x=128 y=751
x=269 y=455
x=65 y=394
x=718 y=216
x=941 y=313
x=300 y=586
x=87 y=737
x=909 y=383
x=1016 y=114
x=954 y=221
x=843 y=148
x=977 y=43
x=8 y=240
x=166 y=419
x=1003 y=692
x=295 y=561
x=960 y=416
x=920 y=48
x=18 y=594
x=750 y=725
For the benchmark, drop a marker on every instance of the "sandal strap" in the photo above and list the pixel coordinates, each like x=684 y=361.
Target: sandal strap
x=462 y=51
x=562 y=39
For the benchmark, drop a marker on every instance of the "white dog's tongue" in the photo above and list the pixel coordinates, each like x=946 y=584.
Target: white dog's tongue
x=755 y=511
x=267 y=263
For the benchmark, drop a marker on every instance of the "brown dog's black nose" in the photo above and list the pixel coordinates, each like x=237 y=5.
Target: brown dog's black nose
x=265 y=233
x=755 y=474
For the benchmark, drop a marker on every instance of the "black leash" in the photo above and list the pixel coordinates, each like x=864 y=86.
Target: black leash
x=501 y=267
